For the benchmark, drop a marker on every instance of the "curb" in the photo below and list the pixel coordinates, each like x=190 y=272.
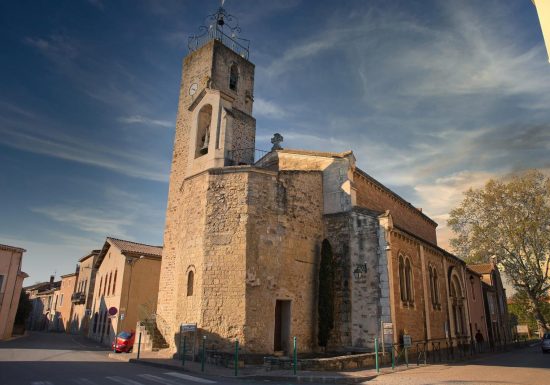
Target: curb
x=18 y=336
x=297 y=378
x=311 y=379
x=156 y=364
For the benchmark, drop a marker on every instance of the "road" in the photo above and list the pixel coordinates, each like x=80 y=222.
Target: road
x=519 y=367
x=61 y=359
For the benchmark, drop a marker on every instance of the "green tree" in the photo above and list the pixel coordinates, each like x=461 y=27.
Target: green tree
x=521 y=308
x=326 y=294
x=509 y=219
x=23 y=309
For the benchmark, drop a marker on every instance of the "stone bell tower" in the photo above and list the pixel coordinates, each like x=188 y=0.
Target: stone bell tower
x=214 y=129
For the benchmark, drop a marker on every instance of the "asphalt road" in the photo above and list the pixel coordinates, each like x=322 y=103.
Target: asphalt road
x=518 y=367
x=60 y=359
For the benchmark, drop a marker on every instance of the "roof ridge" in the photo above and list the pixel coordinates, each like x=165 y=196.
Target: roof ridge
x=135 y=243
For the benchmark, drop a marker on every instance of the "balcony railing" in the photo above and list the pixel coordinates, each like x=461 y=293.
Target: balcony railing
x=78 y=298
x=241 y=47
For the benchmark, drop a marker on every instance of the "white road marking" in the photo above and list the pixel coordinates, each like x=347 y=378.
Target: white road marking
x=158 y=380
x=83 y=381
x=124 y=381
x=190 y=378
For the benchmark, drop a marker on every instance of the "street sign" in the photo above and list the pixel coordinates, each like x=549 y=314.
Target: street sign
x=122 y=316
x=387 y=327
x=112 y=311
x=407 y=341
x=185 y=328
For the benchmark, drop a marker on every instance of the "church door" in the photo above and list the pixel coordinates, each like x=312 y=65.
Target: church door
x=282 y=326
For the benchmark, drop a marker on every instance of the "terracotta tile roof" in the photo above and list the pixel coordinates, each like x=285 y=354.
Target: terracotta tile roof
x=136 y=248
x=482 y=268
x=91 y=254
x=12 y=248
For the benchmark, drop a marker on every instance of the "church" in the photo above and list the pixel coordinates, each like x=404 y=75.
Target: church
x=291 y=243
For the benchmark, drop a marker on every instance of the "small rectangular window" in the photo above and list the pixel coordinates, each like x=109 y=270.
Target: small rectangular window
x=1 y=283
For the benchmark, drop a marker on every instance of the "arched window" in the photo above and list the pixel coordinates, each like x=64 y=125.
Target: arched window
x=436 y=288
x=114 y=282
x=105 y=285
x=409 y=281
x=402 y=285
x=110 y=279
x=432 y=288
x=457 y=303
x=203 y=130
x=190 y=283
x=233 y=77
x=100 y=285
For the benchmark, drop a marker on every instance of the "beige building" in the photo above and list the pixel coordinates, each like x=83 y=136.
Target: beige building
x=42 y=298
x=127 y=280
x=82 y=297
x=543 y=9
x=11 y=283
x=496 y=306
x=63 y=307
x=476 y=304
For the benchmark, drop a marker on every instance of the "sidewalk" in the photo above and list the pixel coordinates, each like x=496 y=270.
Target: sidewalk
x=256 y=372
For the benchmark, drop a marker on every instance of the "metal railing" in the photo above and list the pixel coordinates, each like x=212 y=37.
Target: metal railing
x=214 y=33
x=244 y=156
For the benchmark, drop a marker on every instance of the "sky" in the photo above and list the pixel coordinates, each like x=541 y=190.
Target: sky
x=433 y=97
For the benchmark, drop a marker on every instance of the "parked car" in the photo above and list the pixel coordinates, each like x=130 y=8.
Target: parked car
x=124 y=342
x=545 y=343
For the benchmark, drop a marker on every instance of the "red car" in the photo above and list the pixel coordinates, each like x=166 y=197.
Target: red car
x=124 y=342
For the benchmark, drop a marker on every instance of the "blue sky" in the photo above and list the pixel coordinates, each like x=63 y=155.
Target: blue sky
x=432 y=96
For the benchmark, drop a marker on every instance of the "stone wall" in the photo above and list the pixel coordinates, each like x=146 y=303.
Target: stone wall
x=284 y=235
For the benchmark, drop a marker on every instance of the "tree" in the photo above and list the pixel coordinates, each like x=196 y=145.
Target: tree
x=23 y=309
x=520 y=307
x=510 y=220
x=326 y=294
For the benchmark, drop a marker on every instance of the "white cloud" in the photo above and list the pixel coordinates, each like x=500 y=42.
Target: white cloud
x=138 y=119
x=269 y=109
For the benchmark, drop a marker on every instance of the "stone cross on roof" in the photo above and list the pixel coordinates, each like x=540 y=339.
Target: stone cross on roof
x=276 y=141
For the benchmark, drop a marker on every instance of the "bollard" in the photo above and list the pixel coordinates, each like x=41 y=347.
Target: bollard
x=236 y=357
x=376 y=354
x=295 y=356
x=183 y=351
x=203 y=353
x=139 y=345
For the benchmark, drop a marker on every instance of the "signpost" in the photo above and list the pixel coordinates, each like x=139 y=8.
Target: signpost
x=184 y=330
x=407 y=343
x=112 y=314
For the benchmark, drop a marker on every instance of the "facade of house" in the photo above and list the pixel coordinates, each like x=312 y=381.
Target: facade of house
x=496 y=306
x=11 y=283
x=244 y=238
x=476 y=304
x=127 y=279
x=82 y=297
x=42 y=296
x=63 y=306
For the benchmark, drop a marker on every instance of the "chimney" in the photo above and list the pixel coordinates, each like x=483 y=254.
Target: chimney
x=52 y=277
